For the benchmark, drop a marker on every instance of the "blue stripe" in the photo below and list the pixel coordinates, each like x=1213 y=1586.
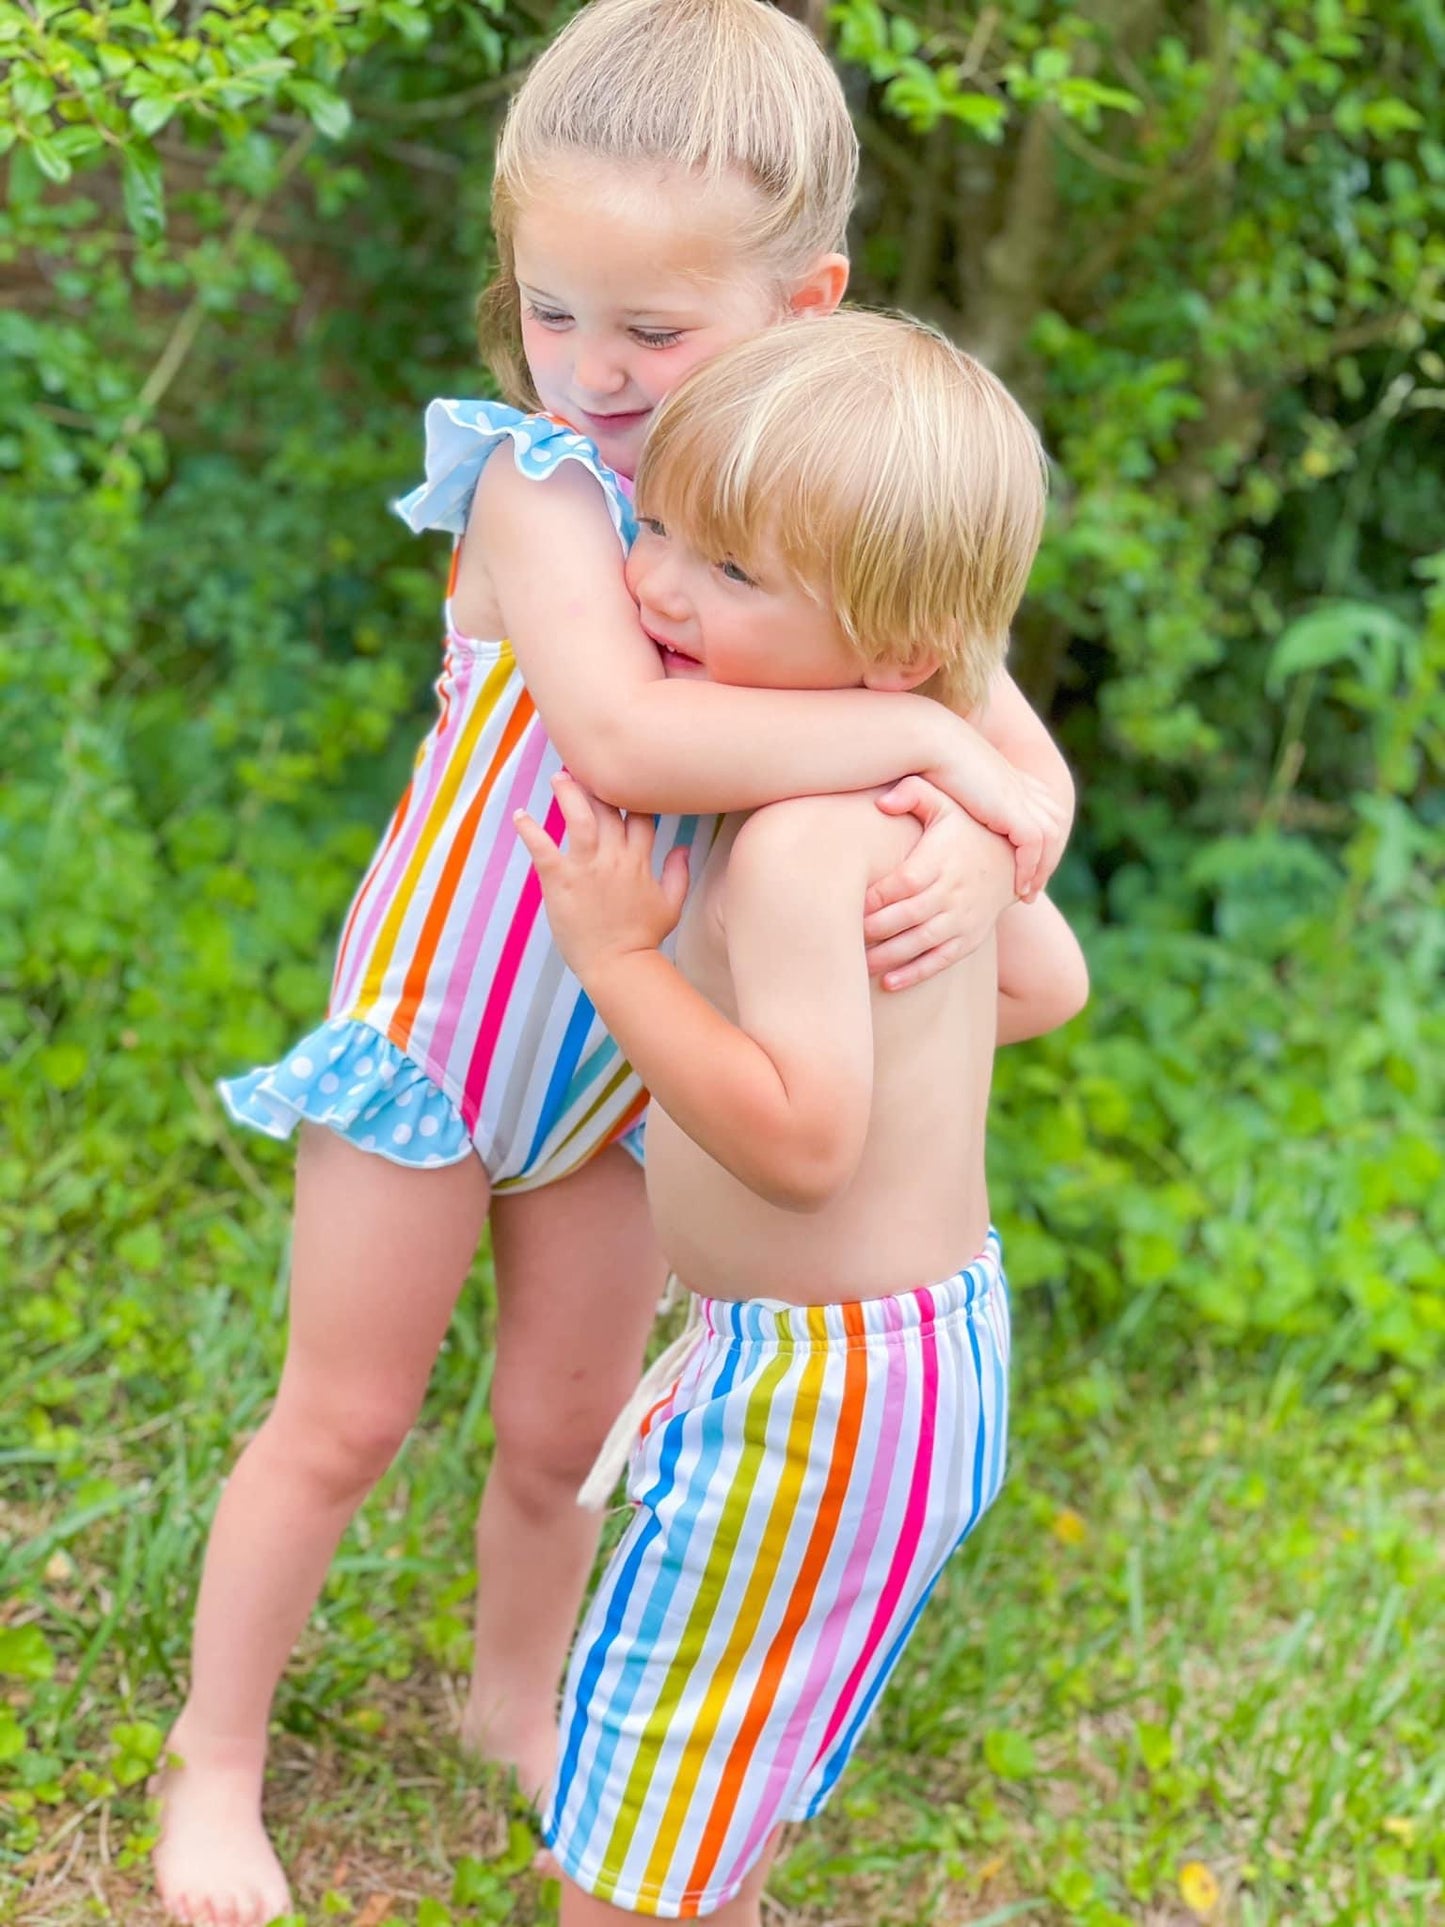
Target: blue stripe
x=558 y=1095
x=618 y=1581
x=843 y=1747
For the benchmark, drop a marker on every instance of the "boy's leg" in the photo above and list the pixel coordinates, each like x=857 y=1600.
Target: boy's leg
x=578 y=1278
x=743 y=1910
x=378 y=1257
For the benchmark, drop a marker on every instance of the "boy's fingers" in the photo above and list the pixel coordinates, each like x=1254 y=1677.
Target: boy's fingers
x=674 y=879
x=535 y=840
x=641 y=828
x=904 y=914
x=922 y=968
x=577 y=814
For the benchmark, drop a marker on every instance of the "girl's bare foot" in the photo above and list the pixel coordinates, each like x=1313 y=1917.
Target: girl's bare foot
x=214 y=1865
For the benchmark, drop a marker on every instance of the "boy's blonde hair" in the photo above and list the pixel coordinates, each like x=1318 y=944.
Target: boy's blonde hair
x=717 y=88
x=888 y=472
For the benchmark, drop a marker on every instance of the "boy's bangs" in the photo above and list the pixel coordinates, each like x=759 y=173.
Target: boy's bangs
x=720 y=478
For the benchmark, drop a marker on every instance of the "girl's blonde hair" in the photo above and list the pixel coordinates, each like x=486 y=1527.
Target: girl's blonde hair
x=717 y=88
x=885 y=470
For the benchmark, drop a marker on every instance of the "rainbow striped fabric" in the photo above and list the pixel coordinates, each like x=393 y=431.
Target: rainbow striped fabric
x=796 y=1494
x=446 y=954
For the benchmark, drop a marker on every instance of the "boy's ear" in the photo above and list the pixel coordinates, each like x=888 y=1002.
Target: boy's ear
x=893 y=678
x=821 y=288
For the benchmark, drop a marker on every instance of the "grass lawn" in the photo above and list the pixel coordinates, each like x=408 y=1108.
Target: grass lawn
x=1190 y=1669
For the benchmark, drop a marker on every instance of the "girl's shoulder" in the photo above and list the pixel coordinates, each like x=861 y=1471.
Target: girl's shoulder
x=462 y=436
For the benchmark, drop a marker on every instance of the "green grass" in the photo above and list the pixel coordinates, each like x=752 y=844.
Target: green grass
x=1205 y=1624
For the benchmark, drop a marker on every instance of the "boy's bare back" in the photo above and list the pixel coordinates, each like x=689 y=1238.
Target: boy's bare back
x=772 y=936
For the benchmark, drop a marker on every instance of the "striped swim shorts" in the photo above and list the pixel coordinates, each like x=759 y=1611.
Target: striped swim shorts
x=796 y=1495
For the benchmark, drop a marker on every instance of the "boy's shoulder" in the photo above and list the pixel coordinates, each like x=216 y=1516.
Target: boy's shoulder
x=846 y=834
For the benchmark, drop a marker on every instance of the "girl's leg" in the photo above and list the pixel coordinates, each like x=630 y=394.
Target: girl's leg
x=578 y=1278
x=378 y=1257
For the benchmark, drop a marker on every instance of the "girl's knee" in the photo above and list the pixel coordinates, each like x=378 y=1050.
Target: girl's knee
x=343 y=1447
x=545 y=1448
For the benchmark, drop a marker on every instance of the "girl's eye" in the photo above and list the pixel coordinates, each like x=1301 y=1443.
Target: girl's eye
x=657 y=337
x=736 y=574
x=651 y=524
x=549 y=317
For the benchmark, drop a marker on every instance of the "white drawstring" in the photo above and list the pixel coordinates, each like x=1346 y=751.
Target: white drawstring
x=666 y=1367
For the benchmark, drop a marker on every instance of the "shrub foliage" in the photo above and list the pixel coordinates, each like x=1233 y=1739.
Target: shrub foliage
x=1204 y=244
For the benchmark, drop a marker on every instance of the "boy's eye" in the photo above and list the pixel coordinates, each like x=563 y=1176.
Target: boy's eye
x=735 y=573
x=657 y=337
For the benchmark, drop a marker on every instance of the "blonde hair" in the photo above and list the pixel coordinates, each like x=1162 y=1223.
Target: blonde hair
x=716 y=88
x=888 y=472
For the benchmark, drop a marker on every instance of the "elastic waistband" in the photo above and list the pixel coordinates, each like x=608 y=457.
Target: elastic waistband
x=782 y=1327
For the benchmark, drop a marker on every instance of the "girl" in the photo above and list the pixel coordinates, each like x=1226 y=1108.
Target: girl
x=674 y=175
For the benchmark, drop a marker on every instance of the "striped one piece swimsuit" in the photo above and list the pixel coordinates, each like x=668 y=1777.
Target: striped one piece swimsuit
x=796 y=1496
x=455 y=1029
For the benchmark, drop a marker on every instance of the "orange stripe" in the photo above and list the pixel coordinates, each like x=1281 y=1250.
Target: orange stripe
x=453 y=870
x=820 y=1544
x=482 y=715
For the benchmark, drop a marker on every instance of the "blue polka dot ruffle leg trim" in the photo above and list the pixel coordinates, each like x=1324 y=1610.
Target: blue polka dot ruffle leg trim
x=356 y=1082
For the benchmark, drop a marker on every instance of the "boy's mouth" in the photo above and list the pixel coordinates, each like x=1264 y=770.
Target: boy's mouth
x=674 y=660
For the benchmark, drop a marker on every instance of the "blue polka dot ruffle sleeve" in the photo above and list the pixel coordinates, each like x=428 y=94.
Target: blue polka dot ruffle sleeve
x=461 y=436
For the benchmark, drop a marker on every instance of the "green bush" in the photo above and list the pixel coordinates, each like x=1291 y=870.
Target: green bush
x=1209 y=256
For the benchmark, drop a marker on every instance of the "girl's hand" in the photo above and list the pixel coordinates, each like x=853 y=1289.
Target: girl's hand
x=603 y=902
x=942 y=902
x=1014 y=805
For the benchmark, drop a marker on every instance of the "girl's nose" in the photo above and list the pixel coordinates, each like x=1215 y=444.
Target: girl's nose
x=596 y=370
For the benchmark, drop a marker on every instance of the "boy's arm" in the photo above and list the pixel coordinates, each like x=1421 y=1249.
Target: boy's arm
x=1043 y=979
x=781 y=1099
x=646 y=742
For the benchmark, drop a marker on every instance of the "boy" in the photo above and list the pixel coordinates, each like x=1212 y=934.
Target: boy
x=837 y=503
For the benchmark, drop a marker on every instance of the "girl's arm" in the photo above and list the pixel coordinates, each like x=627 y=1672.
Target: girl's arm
x=550 y=560
x=1043 y=979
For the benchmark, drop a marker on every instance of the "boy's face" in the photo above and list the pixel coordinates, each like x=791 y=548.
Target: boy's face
x=710 y=620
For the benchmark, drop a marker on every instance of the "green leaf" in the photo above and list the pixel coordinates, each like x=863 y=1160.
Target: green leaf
x=1009 y=1754
x=330 y=114
x=13 y=1737
x=1156 y=1748
x=151 y=112
x=51 y=162
x=143 y=189
x=25 y=1653
x=1359 y=632
x=63 y=1065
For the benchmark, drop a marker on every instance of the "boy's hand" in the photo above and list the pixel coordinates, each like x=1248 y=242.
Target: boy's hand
x=944 y=899
x=603 y=902
x=1015 y=805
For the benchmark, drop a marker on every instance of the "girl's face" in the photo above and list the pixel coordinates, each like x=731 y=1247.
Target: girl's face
x=629 y=278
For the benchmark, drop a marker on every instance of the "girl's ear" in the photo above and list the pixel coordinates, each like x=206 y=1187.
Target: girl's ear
x=821 y=288
x=893 y=678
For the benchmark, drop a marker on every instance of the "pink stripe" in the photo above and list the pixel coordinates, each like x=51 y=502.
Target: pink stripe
x=393 y=860
x=484 y=901
x=529 y=902
x=825 y=1654
x=912 y=1529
